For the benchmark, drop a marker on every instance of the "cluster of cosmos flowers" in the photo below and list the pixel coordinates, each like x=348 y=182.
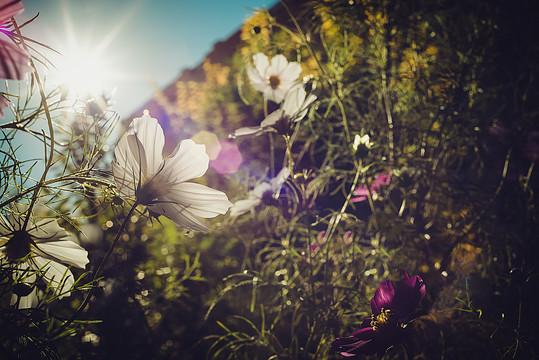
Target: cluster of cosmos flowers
x=35 y=249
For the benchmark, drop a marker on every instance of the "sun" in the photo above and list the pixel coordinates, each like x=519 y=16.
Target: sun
x=83 y=72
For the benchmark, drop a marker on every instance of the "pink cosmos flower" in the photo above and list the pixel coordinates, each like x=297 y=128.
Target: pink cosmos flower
x=362 y=192
x=13 y=60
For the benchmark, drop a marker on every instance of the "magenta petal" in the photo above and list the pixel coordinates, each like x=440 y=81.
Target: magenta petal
x=407 y=297
x=9 y=8
x=353 y=344
x=13 y=61
x=4 y=103
x=358 y=199
x=383 y=297
x=382 y=179
x=367 y=342
x=360 y=191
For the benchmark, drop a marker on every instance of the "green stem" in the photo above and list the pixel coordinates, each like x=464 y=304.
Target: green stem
x=49 y=158
x=101 y=265
x=389 y=117
x=337 y=218
x=322 y=69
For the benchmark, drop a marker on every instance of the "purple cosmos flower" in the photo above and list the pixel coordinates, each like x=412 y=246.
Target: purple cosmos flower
x=391 y=309
x=362 y=192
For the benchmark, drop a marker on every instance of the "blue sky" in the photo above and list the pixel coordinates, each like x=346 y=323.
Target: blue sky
x=138 y=40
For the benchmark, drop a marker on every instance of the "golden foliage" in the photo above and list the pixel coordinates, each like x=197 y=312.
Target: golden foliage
x=191 y=96
x=255 y=33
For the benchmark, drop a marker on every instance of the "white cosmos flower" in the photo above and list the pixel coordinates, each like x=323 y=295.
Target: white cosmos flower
x=274 y=78
x=161 y=184
x=271 y=188
x=362 y=140
x=46 y=249
x=293 y=109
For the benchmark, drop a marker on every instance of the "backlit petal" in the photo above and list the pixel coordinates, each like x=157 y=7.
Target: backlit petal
x=13 y=61
x=58 y=275
x=248 y=131
x=180 y=215
x=150 y=135
x=65 y=251
x=243 y=206
x=260 y=189
x=200 y=200
x=127 y=171
x=125 y=180
x=272 y=119
x=188 y=161
x=9 y=8
x=293 y=101
x=278 y=181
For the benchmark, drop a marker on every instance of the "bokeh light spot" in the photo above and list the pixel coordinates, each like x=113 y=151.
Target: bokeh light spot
x=213 y=147
x=229 y=159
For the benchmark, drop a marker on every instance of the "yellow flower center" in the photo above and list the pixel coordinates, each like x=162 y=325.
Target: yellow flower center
x=274 y=81
x=383 y=320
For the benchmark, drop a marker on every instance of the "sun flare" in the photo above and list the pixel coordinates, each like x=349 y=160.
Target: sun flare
x=82 y=72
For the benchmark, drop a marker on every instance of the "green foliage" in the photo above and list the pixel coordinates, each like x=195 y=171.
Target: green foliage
x=445 y=92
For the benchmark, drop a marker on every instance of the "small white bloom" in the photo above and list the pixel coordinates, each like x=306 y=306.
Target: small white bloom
x=362 y=140
x=161 y=184
x=274 y=78
x=294 y=108
x=273 y=188
x=45 y=248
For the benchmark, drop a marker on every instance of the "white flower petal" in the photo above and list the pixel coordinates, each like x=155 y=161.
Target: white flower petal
x=247 y=131
x=276 y=95
x=260 y=189
x=278 y=65
x=150 y=135
x=26 y=276
x=125 y=180
x=261 y=63
x=304 y=108
x=258 y=81
x=242 y=206
x=26 y=302
x=293 y=100
x=272 y=119
x=126 y=160
x=180 y=215
x=278 y=181
x=66 y=251
x=47 y=230
x=188 y=161
x=58 y=275
x=199 y=199
x=291 y=72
